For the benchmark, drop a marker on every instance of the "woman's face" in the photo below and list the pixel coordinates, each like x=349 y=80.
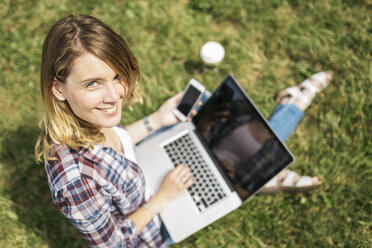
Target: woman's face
x=93 y=90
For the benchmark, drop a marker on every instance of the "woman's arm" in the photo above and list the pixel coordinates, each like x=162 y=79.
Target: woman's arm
x=173 y=184
x=162 y=117
x=138 y=130
x=87 y=207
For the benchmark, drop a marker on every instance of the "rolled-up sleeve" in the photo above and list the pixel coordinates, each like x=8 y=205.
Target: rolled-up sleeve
x=87 y=206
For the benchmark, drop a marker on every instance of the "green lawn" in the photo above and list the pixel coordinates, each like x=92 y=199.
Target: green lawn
x=269 y=45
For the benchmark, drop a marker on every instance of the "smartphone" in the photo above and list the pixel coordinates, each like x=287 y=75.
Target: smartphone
x=193 y=93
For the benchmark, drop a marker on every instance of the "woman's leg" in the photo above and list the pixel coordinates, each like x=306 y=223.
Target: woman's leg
x=285 y=119
x=164 y=233
x=292 y=103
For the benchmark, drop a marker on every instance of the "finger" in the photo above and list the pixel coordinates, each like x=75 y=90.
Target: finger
x=200 y=103
x=183 y=171
x=178 y=169
x=183 y=177
x=189 y=183
x=185 y=182
x=185 y=174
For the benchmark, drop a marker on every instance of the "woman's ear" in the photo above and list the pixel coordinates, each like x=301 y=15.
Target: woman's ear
x=57 y=90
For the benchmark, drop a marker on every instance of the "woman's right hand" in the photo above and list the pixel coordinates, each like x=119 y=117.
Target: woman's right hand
x=174 y=183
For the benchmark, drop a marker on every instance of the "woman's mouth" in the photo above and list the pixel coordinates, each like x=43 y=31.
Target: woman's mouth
x=109 y=110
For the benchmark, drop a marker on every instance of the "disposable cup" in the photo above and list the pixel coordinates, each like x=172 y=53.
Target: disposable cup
x=212 y=53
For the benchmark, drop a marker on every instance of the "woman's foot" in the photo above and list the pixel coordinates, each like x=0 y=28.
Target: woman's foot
x=289 y=181
x=303 y=94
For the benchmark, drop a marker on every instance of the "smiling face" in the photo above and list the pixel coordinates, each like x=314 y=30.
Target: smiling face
x=93 y=90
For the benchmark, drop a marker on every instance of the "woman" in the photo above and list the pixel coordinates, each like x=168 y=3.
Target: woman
x=87 y=74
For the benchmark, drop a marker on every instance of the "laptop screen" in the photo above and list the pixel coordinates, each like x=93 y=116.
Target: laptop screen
x=247 y=149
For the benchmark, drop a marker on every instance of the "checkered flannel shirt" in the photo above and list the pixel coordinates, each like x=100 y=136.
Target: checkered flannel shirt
x=96 y=190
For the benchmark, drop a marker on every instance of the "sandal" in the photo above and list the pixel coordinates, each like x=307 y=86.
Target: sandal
x=290 y=181
x=314 y=85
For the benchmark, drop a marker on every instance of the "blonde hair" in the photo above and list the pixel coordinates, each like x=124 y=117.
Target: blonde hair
x=66 y=40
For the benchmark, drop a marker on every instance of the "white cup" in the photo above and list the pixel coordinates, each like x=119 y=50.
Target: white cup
x=212 y=53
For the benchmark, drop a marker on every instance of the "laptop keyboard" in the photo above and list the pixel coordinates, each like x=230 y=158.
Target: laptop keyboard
x=205 y=190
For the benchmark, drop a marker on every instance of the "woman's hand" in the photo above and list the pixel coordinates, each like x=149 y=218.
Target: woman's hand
x=165 y=115
x=174 y=183
x=162 y=117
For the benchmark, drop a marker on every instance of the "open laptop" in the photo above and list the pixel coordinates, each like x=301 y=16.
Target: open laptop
x=231 y=151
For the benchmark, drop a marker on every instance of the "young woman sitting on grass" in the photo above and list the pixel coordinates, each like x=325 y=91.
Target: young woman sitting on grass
x=87 y=74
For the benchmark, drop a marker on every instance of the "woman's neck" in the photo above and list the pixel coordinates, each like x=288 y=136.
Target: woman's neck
x=112 y=140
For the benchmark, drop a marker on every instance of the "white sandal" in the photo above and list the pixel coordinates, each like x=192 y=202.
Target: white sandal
x=295 y=93
x=320 y=77
x=296 y=183
x=289 y=182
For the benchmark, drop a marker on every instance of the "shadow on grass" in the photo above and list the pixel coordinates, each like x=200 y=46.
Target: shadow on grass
x=193 y=66
x=28 y=189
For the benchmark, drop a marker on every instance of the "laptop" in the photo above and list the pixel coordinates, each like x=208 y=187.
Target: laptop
x=231 y=151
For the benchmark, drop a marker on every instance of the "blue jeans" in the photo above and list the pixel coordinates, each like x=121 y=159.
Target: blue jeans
x=164 y=233
x=283 y=121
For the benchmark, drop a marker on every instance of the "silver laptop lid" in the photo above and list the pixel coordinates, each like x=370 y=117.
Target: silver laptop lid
x=240 y=139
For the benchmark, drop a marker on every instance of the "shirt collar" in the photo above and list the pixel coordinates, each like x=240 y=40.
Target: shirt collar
x=94 y=154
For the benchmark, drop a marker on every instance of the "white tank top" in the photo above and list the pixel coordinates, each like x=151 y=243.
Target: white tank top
x=126 y=142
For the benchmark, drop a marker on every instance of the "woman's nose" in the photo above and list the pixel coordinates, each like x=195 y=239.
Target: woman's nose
x=111 y=94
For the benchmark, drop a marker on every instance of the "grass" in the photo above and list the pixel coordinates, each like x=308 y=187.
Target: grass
x=269 y=45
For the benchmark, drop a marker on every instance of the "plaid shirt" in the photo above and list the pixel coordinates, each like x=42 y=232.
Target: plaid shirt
x=97 y=190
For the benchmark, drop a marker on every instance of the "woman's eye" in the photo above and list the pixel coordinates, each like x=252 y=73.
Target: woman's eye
x=92 y=84
x=117 y=76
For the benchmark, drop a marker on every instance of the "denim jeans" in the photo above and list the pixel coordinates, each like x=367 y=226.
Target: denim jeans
x=283 y=121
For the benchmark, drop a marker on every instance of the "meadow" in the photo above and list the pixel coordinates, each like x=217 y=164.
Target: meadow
x=270 y=45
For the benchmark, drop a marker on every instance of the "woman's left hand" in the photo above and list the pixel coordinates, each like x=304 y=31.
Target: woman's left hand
x=165 y=114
